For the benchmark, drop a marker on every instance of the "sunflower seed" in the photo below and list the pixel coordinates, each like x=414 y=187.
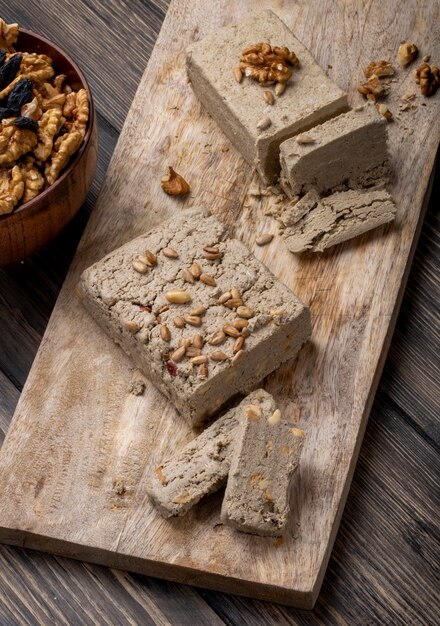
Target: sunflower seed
x=230 y=330
x=199 y=310
x=170 y=253
x=212 y=249
x=224 y=297
x=245 y=311
x=198 y=360
x=178 y=296
x=280 y=88
x=268 y=96
x=264 y=123
x=303 y=138
x=151 y=257
x=165 y=332
x=192 y=352
x=178 y=354
x=213 y=256
x=138 y=266
x=185 y=342
x=198 y=341
x=143 y=259
x=238 y=345
x=133 y=327
x=208 y=280
x=238 y=74
x=218 y=355
x=240 y=323
x=203 y=371
x=217 y=338
x=195 y=270
x=164 y=308
x=187 y=276
x=179 y=322
x=193 y=320
x=245 y=332
x=237 y=358
x=264 y=239
x=233 y=303
x=235 y=293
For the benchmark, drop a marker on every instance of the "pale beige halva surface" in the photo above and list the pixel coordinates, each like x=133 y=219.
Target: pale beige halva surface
x=315 y=223
x=200 y=468
x=310 y=97
x=264 y=457
x=346 y=152
x=130 y=307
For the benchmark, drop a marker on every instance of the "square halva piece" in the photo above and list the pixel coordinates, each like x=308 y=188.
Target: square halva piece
x=309 y=99
x=198 y=314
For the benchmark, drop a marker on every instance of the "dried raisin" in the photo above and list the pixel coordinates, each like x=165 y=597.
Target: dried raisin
x=20 y=95
x=26 y=123
x=2 y=57
x=8 y=70
x=5 y=113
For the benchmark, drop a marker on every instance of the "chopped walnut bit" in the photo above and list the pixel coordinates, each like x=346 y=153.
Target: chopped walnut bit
x=428 y=77
x=161 y=477
x=407 y=52
x=48 y=127
x=11 y=189
x=253 y=412
x=15 y=142
x=8 y=35
x=275 y=418
x=372 y=89
x=266 y=63
x=379 y=68
x=174 y=184
x=237 y=358
x=33 y=180
x=384 y=110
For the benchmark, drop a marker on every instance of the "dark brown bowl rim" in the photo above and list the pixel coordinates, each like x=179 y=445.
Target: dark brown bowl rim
x=35 y=201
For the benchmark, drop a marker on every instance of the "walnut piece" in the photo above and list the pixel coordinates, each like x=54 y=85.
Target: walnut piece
x=48 y=127
x=428 y=77
x=407 y=52
x=373 y=88
x=384 y=110
x=32 y=178
x=266 y=63
x=174 y=184
x=14 y=142
x=63 y=150
x=379 y=68
x=11 y=189
x=36 y=67
x=8 y=35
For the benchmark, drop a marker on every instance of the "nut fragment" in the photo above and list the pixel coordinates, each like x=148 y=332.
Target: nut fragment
x=275 y=418
x=384 y=110
x=195 y=270
x=132 y=326
x=264 y=239
x=207 y=279
x=264 y=63
x=407 y=52
x=138 y=266
x=217 y=338
x=237 y=358
x=165 y=332
x=298 y=432
x=253 y=412
x=269 y=97
x=230 y=330
x=372 y=89
x=178 y=296
x=218 y=355
x=174 y=184
x=238 y=345
x=170 y=253
x=179 y=322
x=245 y=312
x=380 y=68
x=193 y=320
x=238 y=74
x=428 y=76
x=178 y=354
x=264 y=123
x=303 y=138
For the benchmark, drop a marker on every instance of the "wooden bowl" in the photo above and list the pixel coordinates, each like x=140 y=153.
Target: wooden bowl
x=35 y=223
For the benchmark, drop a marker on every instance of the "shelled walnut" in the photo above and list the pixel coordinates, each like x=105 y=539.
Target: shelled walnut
x=267 y=64
x=42 y=121
x=373 y=89
x=428 y=77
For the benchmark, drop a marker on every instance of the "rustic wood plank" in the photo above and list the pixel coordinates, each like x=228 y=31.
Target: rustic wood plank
x=355 y=327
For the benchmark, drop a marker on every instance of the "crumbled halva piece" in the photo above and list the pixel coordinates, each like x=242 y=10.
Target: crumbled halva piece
x=315 y=223
x=193 y=308
x=347 y=152
x=265 y=455
x=256 y=125
x=200 y=468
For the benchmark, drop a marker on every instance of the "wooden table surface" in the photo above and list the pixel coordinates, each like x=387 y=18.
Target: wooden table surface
x=384 y=566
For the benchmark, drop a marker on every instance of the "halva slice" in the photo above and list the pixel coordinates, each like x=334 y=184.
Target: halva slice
x=266 y=453
x=315 y=223
x=200 y=468
x=254 y=121
x=346 y=152
x=198 y=314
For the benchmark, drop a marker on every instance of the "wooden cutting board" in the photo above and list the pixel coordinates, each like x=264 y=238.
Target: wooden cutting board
x=74 y=464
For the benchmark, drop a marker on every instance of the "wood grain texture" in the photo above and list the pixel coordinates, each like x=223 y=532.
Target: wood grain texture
x=47 y=269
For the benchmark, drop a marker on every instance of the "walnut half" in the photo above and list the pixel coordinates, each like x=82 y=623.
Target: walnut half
x=428 y=77
x=267 y=64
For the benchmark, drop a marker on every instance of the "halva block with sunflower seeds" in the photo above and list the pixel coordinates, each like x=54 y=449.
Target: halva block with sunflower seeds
x=346 y=152
x=200 y=468
x=265 y=456
x=252 y=114
x=198 y=314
